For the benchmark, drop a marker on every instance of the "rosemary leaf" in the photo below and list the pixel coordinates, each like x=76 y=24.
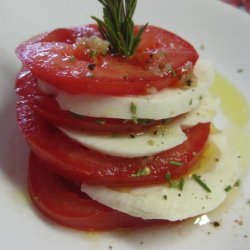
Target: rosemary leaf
x=117 y=26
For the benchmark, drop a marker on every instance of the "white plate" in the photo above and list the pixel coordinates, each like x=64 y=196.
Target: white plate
x=224 y=32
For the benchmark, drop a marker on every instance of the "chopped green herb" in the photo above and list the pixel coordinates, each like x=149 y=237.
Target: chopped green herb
x=142 y=172
x=228 y=188
x=174 y=184
x=176 y=163
x=165 y=197
x=168 y=176
x=101 y=122
x=135 y=120
x=237 y=183
x=181 y=184
x=240 y=70
x=132 y=136
x=191 y=101
x=200 y=97
x=201 y=183
x=72 y=59
x=92 y=53
x=178 y=184
x=150 y=142
x=133 y=108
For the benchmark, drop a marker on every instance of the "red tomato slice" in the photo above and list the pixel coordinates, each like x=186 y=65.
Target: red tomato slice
x=63 y=202
x=50 y=61
x=47 y=107
x=73 y=161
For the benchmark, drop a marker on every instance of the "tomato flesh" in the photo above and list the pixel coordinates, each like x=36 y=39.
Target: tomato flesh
x=48 y=57
x=63 y=202
x=73 y=161
x=47 y=107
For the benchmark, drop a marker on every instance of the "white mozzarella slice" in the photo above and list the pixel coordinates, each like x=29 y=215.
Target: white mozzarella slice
x=164 y=104
x=204 y=113
x=167 y=136
x=125 y=146
x=163 y=202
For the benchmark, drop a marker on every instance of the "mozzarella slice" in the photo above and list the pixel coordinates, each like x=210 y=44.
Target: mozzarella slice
x=124 y=146
x=204 y=113
x=164 y=104
x=150 y=143
x=163 y=202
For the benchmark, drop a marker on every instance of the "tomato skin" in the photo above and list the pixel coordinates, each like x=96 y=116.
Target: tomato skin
x=47 y=107
x=73 y=161
x=49 y=60
x=62 y=201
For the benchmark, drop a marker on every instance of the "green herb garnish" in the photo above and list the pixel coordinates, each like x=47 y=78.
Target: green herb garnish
x=165 y=197
x=133 y=112
x=117 y=26
x=179 y=184
x=101 y=122
x=176 y=163
x=237 y=183
x=201 y=183
x=92 y=53
x=168 y=176
x=133 y=108
x=72 y=58
x=228 y=188
x=142 y=172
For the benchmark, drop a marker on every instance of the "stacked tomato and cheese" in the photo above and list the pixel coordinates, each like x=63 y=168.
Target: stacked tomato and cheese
x=120 y=141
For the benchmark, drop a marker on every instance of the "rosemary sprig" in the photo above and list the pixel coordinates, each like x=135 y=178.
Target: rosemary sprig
x=117 y=26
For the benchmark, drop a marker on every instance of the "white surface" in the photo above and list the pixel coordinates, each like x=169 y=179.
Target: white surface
x=220 y=28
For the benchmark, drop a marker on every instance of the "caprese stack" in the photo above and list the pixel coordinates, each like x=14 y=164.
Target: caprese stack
x=120 y=129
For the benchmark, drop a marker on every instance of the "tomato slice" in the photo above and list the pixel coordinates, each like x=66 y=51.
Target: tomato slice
x=158 y=62
x=62 y=201
x=47 y=107
x=73 y=161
